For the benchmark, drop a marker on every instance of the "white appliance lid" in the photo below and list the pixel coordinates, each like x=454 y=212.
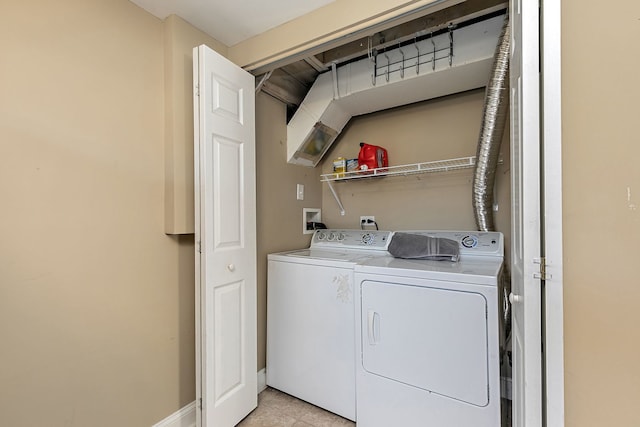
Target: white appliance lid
x=388 y=265
x=337 y=257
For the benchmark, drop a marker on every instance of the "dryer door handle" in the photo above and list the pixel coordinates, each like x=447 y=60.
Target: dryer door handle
x=513 y=298
x=373 y=327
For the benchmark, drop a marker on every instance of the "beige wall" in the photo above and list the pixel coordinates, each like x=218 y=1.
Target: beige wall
x=96 y=302
x=279 y=222
x=179 y=40
x=601 y=192
x=439 y=129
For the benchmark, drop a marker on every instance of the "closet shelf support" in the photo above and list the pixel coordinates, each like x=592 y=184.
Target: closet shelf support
x=335 y=196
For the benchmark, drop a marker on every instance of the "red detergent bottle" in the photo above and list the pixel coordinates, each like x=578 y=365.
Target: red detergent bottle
x=372 y=157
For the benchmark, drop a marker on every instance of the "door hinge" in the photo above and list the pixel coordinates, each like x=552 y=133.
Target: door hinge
x=542 y=270
x=197 y=88
x=199 y=247
x=200 y=403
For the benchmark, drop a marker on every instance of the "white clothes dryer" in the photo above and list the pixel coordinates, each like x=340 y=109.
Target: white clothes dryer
x=311 y=317
x=427 y=337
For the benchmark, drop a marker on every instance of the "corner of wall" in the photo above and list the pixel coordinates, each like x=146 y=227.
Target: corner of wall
x=180 y=38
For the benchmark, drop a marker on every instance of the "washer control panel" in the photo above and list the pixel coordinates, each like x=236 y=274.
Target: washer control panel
x=351 y=239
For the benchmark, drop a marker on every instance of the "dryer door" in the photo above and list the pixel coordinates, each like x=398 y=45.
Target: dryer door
x=428 y=337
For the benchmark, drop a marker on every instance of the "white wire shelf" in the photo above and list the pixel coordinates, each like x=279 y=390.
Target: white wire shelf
x=401 y=170
x=416 y=168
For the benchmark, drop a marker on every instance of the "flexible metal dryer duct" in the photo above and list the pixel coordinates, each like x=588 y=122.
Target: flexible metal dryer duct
x=493 y=121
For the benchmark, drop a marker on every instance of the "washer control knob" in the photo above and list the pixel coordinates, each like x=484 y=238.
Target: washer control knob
x=332 y=236
x=341 y=237
x=322 y=235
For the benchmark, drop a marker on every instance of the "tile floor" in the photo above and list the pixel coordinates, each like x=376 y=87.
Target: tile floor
x=277 y=409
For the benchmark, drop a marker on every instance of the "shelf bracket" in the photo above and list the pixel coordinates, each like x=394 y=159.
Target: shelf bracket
x=335 y=196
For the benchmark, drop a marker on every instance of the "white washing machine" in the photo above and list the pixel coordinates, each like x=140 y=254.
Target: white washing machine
x=427 y=337
x=311 y=317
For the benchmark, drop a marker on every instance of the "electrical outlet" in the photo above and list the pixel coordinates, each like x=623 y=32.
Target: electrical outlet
x=367 y=219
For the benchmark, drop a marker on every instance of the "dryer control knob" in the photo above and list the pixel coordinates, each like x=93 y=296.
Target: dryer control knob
x=368 y=239
x=470 y=241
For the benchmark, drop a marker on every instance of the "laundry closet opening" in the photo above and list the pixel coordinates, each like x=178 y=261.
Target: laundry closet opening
x=439 y=127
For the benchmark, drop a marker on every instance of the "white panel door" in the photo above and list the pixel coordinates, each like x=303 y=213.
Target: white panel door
x=525 y=222
x=225 y=239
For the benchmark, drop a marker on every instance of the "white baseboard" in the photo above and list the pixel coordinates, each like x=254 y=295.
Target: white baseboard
x=186 y=417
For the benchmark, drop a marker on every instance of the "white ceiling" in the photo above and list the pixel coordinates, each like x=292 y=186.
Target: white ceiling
x=232 y=21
